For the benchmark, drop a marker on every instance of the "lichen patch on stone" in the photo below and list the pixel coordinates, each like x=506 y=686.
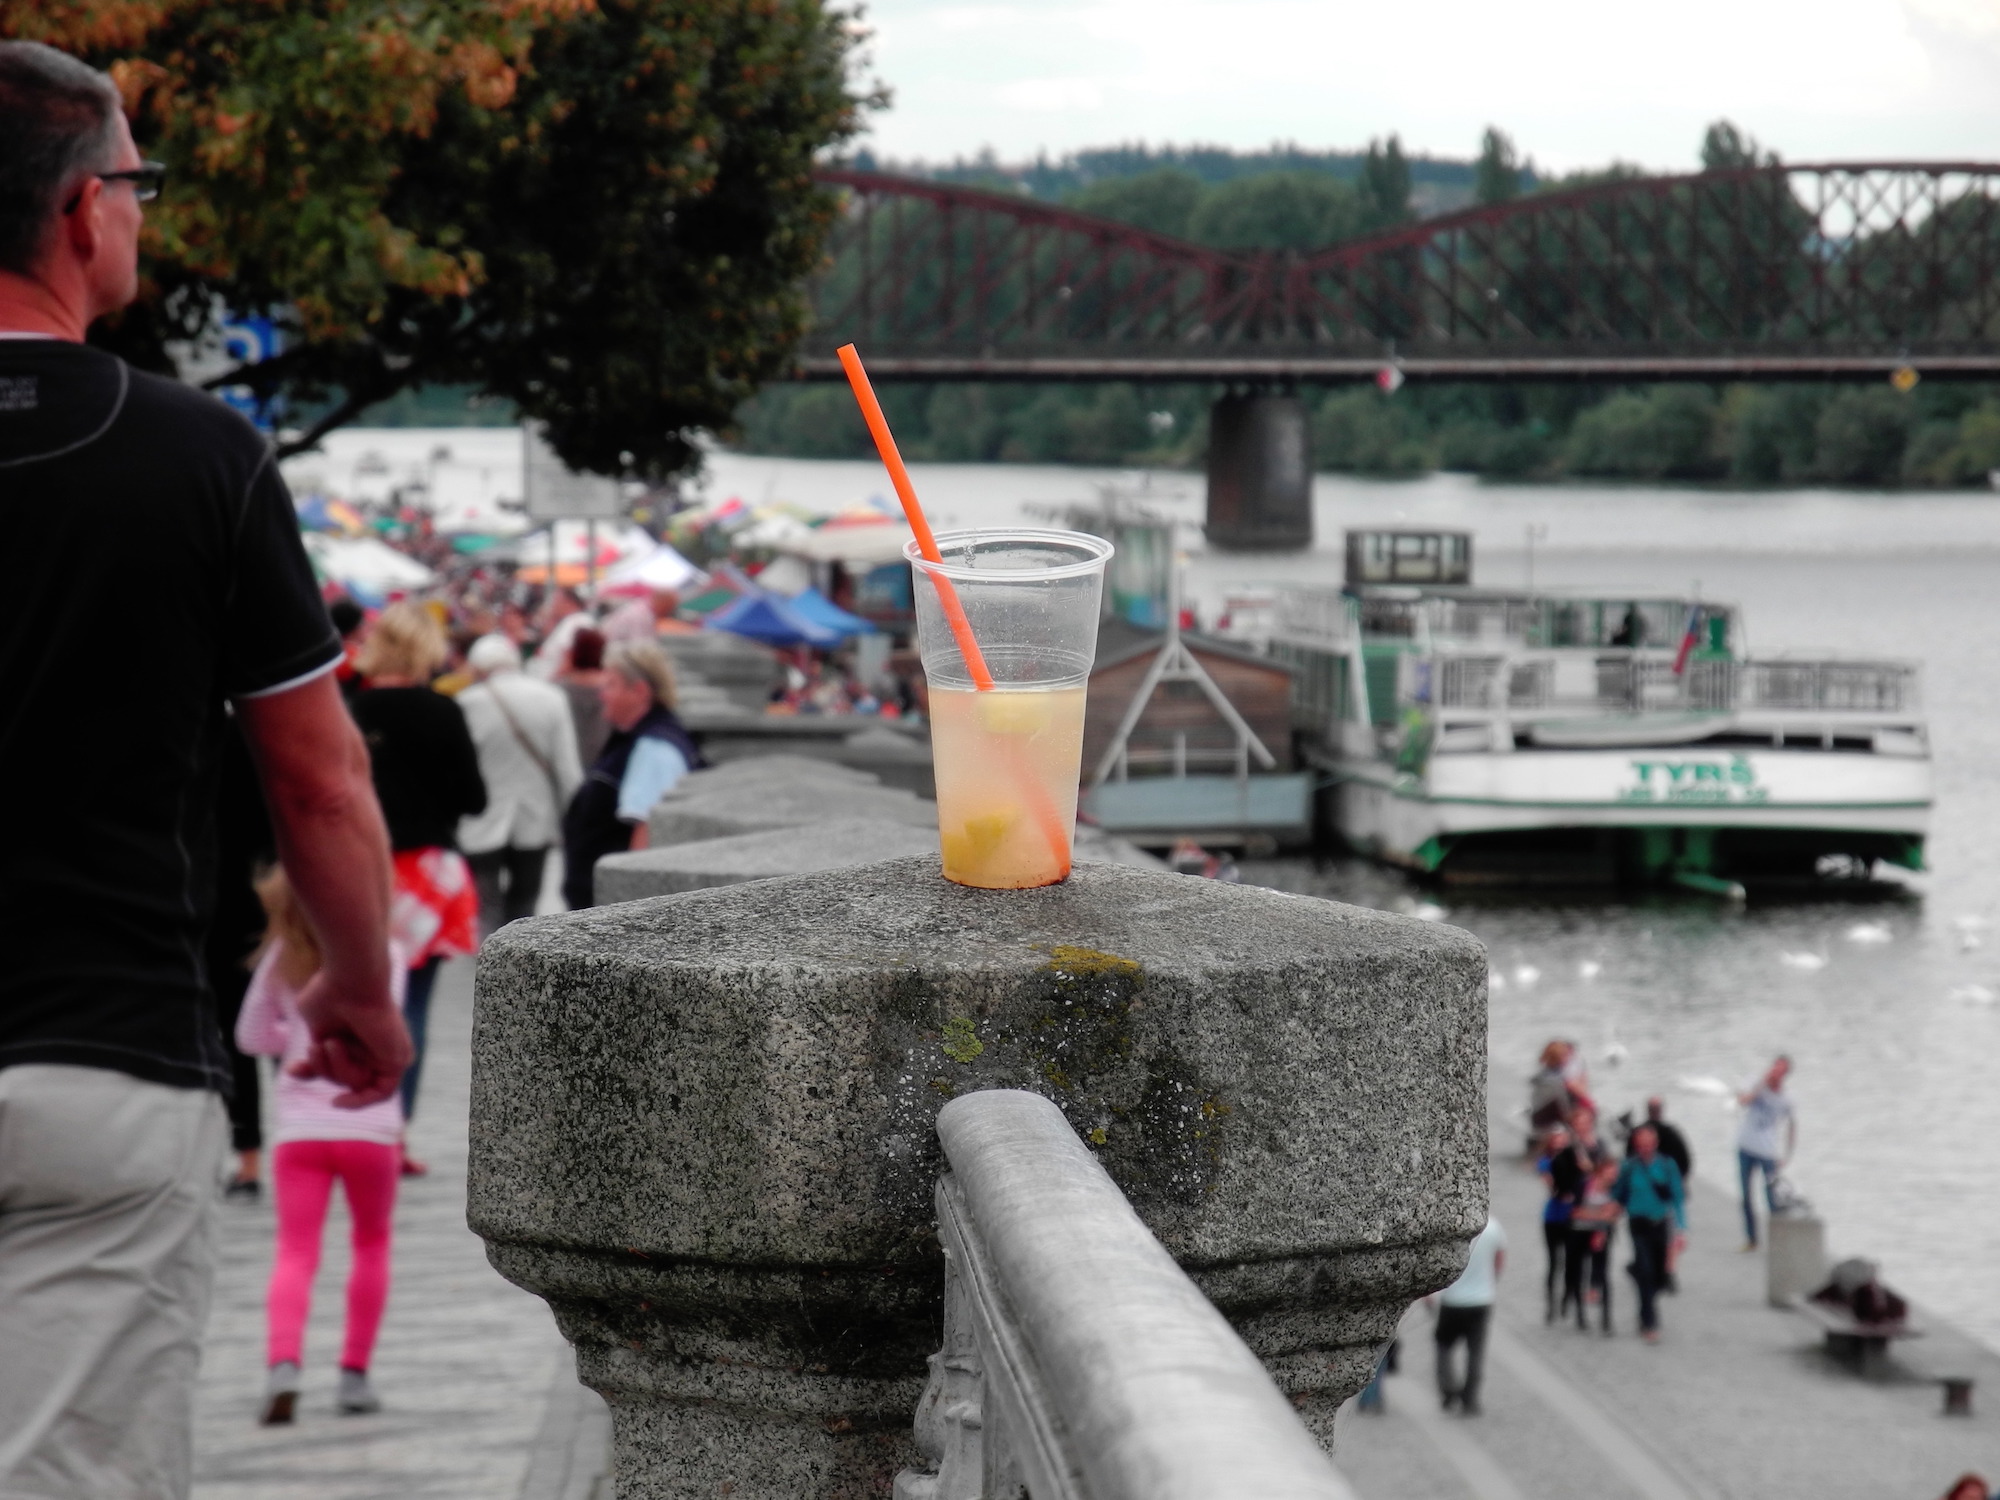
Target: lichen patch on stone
x=961 y=1041
x=1070 y=959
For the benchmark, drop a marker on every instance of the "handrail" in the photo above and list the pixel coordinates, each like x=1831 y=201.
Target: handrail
x=1080 y=1362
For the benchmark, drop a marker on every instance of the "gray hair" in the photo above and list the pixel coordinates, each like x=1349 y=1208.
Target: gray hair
x=644 y=661
x=493 y=653
x=59 y=119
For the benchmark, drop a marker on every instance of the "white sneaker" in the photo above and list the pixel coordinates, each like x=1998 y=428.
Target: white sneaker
x=357 y=1397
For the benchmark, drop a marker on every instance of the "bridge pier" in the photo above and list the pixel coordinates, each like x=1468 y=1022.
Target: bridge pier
x=704 y=1129
x=1259 y=474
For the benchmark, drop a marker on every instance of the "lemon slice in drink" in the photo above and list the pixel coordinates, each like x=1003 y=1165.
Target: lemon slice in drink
x=976 y=840
x=1012 y=713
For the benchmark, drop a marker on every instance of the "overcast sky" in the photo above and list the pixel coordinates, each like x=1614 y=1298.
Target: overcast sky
x=1574 y=82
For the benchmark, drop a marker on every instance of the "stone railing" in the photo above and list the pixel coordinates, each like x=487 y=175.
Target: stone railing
x=704 y=1129
x=1079 y=1362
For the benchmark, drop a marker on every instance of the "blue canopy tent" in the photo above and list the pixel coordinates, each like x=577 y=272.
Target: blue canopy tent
x=815 y=606
x=767 y=618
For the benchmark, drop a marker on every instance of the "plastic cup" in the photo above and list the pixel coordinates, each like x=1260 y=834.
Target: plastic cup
x=1008 y=760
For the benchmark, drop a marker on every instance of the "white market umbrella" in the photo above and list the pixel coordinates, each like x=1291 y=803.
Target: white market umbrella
x=662 y=568
x=367 y=564
x=856 y=546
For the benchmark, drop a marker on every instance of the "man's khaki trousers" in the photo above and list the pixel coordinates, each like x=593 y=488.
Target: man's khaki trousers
x=107 y=1205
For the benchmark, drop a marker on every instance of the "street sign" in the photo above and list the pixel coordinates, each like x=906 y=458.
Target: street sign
x=556 y=492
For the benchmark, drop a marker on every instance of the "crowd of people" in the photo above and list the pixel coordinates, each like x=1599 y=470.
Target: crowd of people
x=1594 y=1186
x=1629 y=1180
x=482 y=769
x=479 y=779
x=280 y=831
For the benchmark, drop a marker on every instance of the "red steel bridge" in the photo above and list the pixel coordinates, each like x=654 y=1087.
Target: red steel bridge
x=1840 y=270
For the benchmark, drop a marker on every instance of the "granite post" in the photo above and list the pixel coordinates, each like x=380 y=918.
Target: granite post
x=1796 y=1257
x=702 y=1129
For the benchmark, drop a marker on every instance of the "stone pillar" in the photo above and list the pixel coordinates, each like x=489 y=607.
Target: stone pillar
x=702 y=1128
x=1795 y=1245
x=1259 y=474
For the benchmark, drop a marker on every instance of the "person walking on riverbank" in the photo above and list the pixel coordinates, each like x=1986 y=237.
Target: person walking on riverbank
x=1764 y=1141
x=1674 y=1147
x=647 y=753
x=1593 y=1225
x=527 y=757
x=1464 y=1309
x=1555 y=1216
x=1654 y=1198
x=123 y=486
x=1570 y=1170
x=317 y=1143
x=1667 y=1138
x=1549 y=1101
x=426 y=773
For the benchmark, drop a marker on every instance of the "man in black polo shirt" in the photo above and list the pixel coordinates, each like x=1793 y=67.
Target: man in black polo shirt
x=154 y=577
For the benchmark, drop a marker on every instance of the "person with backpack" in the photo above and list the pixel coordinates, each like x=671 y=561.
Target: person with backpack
x=1649 y=1187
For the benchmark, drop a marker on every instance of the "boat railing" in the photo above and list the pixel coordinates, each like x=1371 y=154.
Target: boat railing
x=1441 y=617
x=1080 y=1362
x=1631 y=682
x=1323 y=617
x=1330 y=618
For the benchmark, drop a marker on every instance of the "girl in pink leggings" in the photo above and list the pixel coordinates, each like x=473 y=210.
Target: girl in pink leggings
x=316 y=1142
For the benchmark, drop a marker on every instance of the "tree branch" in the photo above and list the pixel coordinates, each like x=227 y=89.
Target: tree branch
x=358 y=400
x=243 y=374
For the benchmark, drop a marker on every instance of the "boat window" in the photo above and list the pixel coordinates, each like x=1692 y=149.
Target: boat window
x=1409 y=557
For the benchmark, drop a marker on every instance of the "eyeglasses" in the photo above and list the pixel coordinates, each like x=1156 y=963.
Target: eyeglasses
x=147 y=179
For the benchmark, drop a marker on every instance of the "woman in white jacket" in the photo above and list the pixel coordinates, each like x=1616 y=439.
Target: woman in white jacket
x=527 y=752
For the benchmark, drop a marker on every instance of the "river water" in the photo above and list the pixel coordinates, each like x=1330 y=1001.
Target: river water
x=1891 y=1010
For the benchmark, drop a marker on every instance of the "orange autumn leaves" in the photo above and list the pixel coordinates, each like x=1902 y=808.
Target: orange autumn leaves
x=599 y=212
x=280 y=122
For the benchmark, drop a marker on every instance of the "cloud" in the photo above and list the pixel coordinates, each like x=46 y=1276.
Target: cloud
x=1051 y=95
x=962 y=18
x=1575 y=82
x=1974 y=18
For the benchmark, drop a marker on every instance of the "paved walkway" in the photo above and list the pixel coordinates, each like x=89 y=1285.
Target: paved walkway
x=1737 y=1401
x=479 y=1392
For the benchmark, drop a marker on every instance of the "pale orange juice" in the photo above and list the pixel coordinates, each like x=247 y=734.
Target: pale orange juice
x=1007 y=764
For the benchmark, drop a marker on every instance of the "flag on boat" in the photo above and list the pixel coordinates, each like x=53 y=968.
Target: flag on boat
x=1689 y=639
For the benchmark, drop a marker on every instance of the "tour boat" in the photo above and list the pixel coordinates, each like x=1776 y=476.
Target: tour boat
x=1485 y=735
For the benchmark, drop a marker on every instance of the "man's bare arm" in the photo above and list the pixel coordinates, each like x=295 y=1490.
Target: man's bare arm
x=335 y=850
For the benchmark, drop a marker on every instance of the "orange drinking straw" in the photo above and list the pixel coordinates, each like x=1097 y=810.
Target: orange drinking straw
x=954 y=612
x=892 y=460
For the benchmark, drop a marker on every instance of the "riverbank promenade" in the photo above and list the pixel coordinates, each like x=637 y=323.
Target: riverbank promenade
x=479 y=1394
x=1737 y=1400
x=481 y=1404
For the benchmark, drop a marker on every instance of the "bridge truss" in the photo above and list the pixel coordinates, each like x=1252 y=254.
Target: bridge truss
x=1829 y=271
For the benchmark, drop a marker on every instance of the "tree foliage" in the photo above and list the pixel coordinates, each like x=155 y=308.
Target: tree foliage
x=599 y=210
x=1724 y=146
x=1497 y=174
x=1385 y=182
x=1286 y=210
x=1162 y=200
x=1279 y=211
